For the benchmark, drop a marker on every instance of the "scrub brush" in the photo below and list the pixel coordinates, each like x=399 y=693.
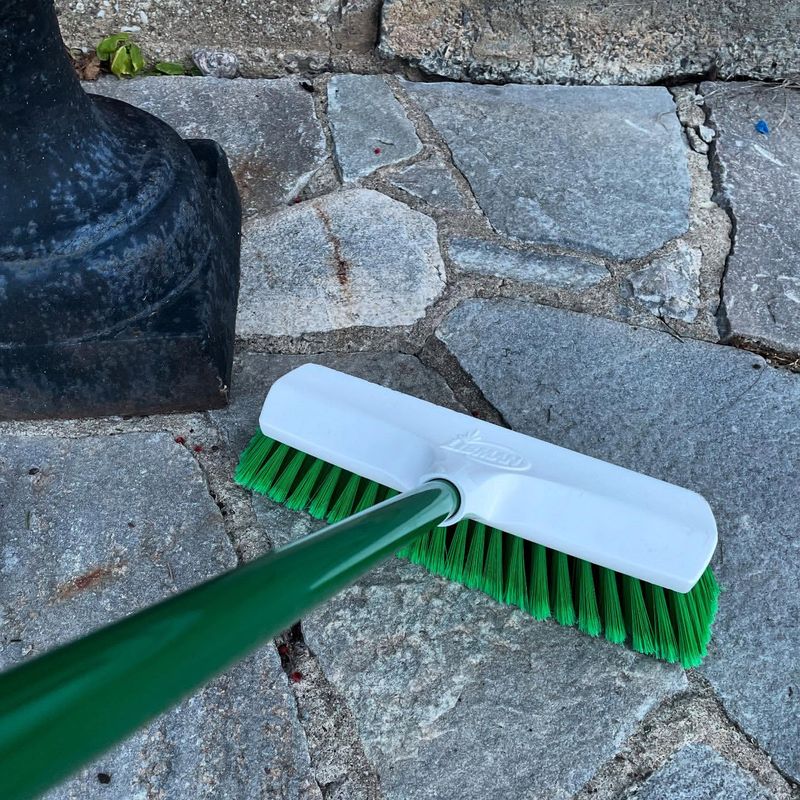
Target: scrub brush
x=531 y=524
x=553 y=532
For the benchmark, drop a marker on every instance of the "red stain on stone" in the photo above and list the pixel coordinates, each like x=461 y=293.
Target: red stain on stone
x=296 y=677
x=86 y=581
x=340 y=263
x=377 y=151
x=180 y=440
x=198 y=448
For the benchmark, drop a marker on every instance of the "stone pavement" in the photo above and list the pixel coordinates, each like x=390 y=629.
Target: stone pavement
x=552 y=41
x=613 y=269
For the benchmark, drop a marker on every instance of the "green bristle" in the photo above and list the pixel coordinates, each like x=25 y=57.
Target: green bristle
x=697 y=624
x=419 y=550
x=588 y=613
x=561 y=590
x=703 y=596
x=251 y=460
x=343 y=507
x=688 y=647
x=473 y=571
x=493 y=569
x=666 y=646
x=369 y=497
x=262 y=482
x=457 y=552
x=436 y=556
x=673 y=626
x=539 y=601
x=613 y=621
x=516 y=589
x=637 y=617
x=322 y=499
x=301 y=496
x=708 y=589
x=404 y=552
x=283 y=483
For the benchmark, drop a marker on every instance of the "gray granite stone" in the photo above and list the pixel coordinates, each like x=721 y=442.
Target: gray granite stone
x=592 y=41
x=94 y=528
x=711 y=418
x=670 y=285
x=455 y=695
x=268 y=129
x=761 y=184
x=216 y=63
x=486 y=258
x=369 y=127
x=347 y=259
x=696 y=772
x=433 y=182
x=598 y=169
x=269 y=38
x=706 y=134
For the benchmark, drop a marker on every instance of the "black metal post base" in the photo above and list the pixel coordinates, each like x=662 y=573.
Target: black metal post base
x=119 y=245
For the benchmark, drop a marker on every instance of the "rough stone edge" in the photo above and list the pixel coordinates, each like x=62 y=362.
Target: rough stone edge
x=693 y=716
x=777 y=358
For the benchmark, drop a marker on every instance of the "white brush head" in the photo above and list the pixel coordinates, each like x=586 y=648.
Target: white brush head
x=590 y=509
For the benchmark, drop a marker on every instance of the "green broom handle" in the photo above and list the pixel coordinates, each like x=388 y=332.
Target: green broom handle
x=61 y=709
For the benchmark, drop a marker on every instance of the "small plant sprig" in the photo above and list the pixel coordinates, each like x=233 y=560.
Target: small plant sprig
x=124 y=56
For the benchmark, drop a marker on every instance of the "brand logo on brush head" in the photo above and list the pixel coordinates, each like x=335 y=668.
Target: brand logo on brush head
x=495 y=455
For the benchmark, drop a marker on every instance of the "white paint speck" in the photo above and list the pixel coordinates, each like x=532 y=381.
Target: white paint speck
x=766 y=154
x=637 y=127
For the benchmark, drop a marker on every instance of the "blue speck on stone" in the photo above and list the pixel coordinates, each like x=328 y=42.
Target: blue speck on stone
x=762 y=127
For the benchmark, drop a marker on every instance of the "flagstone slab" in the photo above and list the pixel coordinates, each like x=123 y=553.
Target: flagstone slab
x=598 y=169
x=760 y=182
x=348 y=259
x=711 y=418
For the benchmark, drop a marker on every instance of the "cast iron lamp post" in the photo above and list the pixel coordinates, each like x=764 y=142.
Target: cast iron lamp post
x=119 y=244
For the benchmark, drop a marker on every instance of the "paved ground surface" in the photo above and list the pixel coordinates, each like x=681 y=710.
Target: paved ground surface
x=612 y=269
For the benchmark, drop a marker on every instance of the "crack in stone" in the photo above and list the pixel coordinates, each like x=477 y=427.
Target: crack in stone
x=326 y=739
x=693 y=716
x=720 y=197
x=435 y=356
x=702 y=681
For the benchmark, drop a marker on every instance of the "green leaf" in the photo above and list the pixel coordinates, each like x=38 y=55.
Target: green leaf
x=137 y=60
x=170 y=68
x=106 y=49
x=121 y=63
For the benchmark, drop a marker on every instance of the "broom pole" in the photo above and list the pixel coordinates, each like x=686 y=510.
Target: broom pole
x=61 y=709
